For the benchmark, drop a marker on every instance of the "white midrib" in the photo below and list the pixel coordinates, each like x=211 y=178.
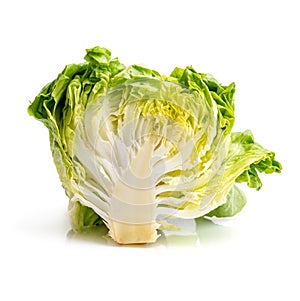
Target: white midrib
x=132 y=209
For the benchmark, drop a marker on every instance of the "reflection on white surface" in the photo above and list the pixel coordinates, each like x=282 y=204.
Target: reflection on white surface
x=200 y=232
x=212 y=231
x=192 y=233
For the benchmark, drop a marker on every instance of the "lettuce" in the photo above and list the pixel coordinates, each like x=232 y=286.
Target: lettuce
x=134 y=148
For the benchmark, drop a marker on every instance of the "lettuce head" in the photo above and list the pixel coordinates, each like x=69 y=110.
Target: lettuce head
x=133 y=148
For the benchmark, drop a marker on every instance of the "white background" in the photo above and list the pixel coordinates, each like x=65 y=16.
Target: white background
x=255 y=256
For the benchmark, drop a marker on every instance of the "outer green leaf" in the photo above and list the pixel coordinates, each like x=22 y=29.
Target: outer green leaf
x=245 y=159
x=60 y=106
x=235 y=202
x=243 y=149
x=83 y=217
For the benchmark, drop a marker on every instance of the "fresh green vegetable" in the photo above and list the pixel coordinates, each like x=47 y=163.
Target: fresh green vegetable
x=133 y=148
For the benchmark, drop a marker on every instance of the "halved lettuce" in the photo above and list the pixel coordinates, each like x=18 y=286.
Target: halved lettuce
x=133 y=148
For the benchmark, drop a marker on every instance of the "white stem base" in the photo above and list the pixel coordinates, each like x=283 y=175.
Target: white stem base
x=124 y=233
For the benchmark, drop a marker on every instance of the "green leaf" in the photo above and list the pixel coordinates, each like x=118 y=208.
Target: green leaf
x=244 y=160
x=222 y=95
x=235 y=202
x=98 y=56
x=83 y=217
x=244 y=151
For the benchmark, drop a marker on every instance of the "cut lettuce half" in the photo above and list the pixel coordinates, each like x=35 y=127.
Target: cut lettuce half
x=134 y=148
